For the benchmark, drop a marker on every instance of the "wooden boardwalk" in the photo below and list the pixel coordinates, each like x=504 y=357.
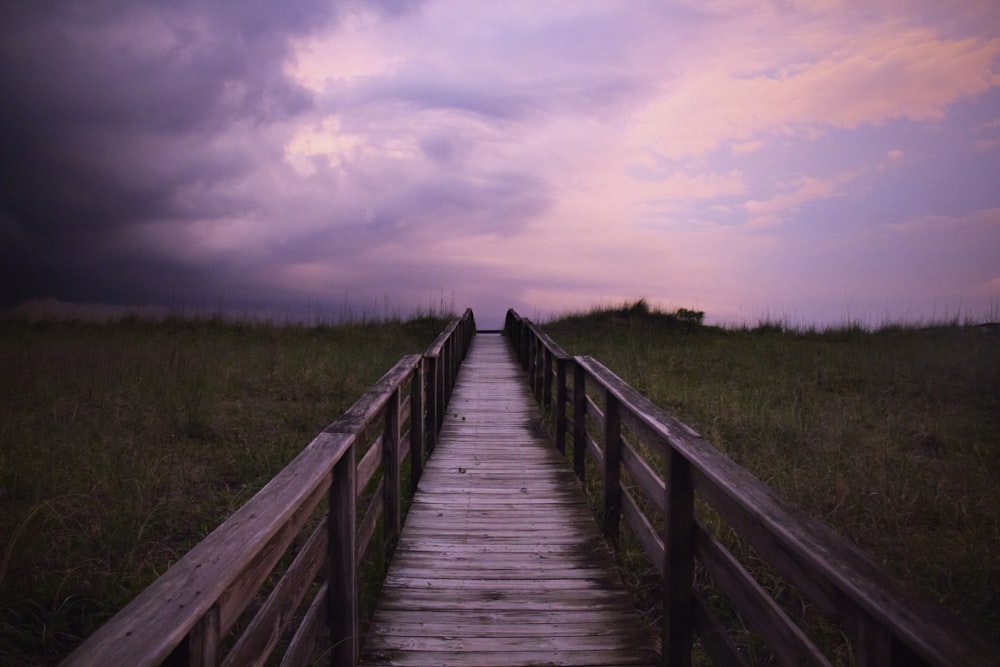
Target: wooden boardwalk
x=500 y=561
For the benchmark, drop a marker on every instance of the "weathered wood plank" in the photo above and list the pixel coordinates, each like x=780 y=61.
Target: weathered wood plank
x=789 y=644
x=450 y=658
x=500 y=561
x=366 y=529
x=225 y=565
x=304 y=640
x=342 y=594
x=644 y=477
x=467 y=623
x=714 y=637
x=262 y=635
x=369 y=464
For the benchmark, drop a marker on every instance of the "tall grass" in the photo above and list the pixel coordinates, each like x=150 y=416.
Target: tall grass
x=123 y=444
x=892 y=436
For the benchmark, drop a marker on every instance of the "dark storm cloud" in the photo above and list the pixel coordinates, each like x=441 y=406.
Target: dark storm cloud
x=109 y=110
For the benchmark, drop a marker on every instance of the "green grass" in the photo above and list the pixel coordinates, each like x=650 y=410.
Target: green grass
x=891 y=436
x=123 y=444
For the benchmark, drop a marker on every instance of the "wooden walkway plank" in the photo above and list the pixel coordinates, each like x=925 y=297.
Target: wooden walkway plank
x=500 y=561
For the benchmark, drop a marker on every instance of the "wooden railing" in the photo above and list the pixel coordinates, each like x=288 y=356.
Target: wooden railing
x=186 y=617
x=631 y=439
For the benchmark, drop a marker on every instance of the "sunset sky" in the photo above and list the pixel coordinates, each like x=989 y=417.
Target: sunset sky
x=813 y=161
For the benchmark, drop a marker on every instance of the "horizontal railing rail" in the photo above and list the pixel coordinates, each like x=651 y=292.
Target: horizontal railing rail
x=187 y=616
x=653 y=468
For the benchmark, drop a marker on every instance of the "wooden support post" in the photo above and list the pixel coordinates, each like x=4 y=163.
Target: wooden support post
x=612 y=467
x=431 y=393
x=392 y=523
x=470 y=333
x=561 y=405
x=522 y=345
x=678 y=542
x=342 y=597
x=547 y=377
x=417 y=425
x=200 y=648
x=536 y=367
x=446 y=378
x=442 y=387
x=579 y=421
x=539 y=368
x=874 y=645
x=205 y=639
x=529 y=358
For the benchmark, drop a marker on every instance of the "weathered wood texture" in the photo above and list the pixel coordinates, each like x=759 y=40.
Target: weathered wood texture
x=500 y=561
x=887 y=621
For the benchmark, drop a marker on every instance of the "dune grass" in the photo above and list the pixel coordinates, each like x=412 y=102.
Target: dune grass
x=123 y=444
x=892 y=436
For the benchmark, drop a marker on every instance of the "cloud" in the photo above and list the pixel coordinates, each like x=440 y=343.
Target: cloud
x=551 y=152
x=985 y=219
x=745 y=147
x=877 y=77
x=796 y=193
x=126 y=115
x=989 y=288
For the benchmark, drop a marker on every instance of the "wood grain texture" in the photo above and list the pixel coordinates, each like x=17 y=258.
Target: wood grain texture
x=226 y=566
x=500 y=561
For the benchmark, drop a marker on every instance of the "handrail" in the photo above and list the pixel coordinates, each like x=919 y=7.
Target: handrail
x=888 y=621
x=183 y=616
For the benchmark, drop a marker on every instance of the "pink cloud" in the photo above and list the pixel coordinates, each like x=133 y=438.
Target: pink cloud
x=881 y=76
x=796 y=193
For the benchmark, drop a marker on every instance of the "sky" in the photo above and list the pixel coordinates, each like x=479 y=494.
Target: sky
x=811 y=161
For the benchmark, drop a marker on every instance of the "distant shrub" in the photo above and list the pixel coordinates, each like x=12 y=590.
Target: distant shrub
x=640 y=313
x=693 y=317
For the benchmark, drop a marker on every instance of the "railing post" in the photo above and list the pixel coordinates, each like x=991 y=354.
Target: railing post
x=200 y=648
x=539 y=367
x=546 y=377
x=612 y=467
x=431 y=392
x=533 y=365
x=342 y=596
x=390 y=467
x=524 y=351
x=678 y=542
x=439 y=386
x=456 y=360
x=447 y=376
x=561 y=405
x=417 y=425
x=872 y=645
x=579 y=421
x=205 y=639
x=469 y=334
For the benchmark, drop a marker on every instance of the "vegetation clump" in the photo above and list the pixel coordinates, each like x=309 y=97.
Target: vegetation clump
x=639 y=314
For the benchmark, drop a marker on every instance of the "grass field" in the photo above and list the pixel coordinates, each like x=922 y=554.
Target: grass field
x=891 y=436
x=123 y=444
